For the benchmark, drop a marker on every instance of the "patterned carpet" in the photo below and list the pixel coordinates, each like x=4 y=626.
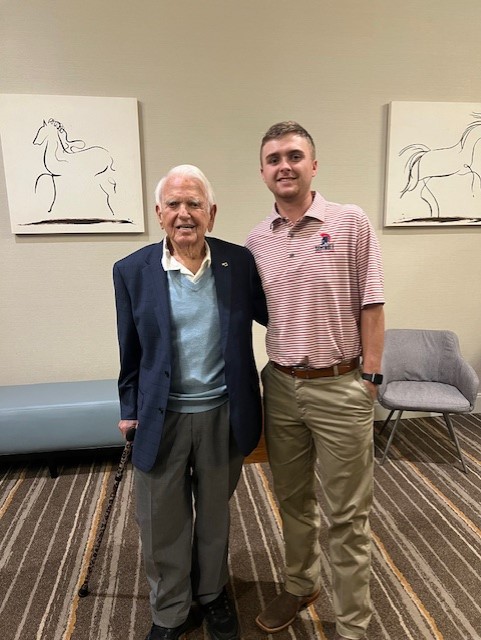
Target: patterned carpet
x=426 y=524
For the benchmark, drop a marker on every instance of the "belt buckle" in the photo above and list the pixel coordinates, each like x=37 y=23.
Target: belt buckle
x=298 y=367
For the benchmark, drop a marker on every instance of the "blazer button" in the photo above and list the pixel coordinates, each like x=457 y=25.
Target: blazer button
x=166 y=373
x=161 y=410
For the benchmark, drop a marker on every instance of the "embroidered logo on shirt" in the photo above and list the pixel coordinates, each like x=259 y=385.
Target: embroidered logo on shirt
x=326 y=244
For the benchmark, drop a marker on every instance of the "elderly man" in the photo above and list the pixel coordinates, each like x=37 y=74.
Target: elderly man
x=189 y=384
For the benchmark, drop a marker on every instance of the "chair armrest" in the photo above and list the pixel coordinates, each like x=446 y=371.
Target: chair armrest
x=467 y=381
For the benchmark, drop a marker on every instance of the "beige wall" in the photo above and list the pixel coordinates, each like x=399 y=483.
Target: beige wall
x=210 y=77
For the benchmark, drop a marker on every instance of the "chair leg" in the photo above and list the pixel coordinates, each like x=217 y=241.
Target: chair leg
x=454 y=437
x=393 y=432
x=386 y=421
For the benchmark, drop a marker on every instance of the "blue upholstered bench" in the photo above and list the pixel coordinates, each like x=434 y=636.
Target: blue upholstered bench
x=58 y=417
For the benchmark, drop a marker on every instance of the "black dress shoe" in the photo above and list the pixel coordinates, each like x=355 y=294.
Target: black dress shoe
x=194 y=620
x=221 y=618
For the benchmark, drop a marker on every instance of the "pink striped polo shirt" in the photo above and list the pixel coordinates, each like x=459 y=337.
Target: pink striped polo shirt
x=317 y=274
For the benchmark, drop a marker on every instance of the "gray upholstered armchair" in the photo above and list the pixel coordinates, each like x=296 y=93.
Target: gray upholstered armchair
x=425 y=371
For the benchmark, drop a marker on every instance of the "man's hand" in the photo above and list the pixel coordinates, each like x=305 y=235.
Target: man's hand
x=125 y=425
x=372 y=388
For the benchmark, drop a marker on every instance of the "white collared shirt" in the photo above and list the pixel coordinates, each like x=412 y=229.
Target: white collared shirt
x=170 y=263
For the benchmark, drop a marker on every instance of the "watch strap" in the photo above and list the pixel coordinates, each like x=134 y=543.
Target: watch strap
x=375 y=378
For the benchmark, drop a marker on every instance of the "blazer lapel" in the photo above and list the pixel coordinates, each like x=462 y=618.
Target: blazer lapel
x=221 y=269
x=158 y=276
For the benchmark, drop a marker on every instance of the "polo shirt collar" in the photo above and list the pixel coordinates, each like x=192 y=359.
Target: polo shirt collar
x=170 y=263
x=317 y=210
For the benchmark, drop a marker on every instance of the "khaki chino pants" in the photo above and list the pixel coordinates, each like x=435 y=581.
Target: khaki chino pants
x=331 y=420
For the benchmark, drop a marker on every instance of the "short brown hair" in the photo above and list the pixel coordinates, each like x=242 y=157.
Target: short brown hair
x=281 y=129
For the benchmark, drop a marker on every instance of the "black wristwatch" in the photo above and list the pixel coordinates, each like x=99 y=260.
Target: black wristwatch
x=375 y=378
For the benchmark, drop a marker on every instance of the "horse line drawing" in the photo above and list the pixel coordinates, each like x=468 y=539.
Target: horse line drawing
x=425 y=165
x=77 y=169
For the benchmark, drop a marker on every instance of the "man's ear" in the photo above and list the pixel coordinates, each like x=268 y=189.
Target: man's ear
x=213 y=211
x=159 y=215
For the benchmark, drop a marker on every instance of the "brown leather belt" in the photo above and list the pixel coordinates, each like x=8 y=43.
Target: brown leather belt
x=328 y=372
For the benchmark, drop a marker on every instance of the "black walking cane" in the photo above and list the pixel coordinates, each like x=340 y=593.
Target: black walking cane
x=130 y=435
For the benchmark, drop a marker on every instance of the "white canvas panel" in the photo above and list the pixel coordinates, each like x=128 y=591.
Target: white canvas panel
x=434 y=164
x=72 y=164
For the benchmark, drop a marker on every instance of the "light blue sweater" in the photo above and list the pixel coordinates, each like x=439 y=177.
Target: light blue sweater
x=197 y=381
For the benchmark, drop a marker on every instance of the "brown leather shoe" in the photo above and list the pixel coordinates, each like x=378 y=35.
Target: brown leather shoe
x=282 y=611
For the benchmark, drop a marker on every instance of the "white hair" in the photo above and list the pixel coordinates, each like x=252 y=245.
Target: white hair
x=189 y=171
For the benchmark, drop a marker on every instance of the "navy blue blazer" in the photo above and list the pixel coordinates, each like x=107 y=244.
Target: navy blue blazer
x=143 y=325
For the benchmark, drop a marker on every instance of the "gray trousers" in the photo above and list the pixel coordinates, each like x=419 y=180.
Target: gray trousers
x=182 y=508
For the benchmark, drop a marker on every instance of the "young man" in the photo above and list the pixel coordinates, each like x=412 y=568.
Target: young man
x=189 y=384
x=320 y=267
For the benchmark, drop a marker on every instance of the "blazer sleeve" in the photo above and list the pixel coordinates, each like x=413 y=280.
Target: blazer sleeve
x=129 y=348
x=258 y=297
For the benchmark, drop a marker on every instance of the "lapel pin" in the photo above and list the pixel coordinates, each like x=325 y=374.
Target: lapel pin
x=225 y=264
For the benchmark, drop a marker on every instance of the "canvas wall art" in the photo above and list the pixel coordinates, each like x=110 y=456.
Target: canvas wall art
x=433 y=165
x=72 y=164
